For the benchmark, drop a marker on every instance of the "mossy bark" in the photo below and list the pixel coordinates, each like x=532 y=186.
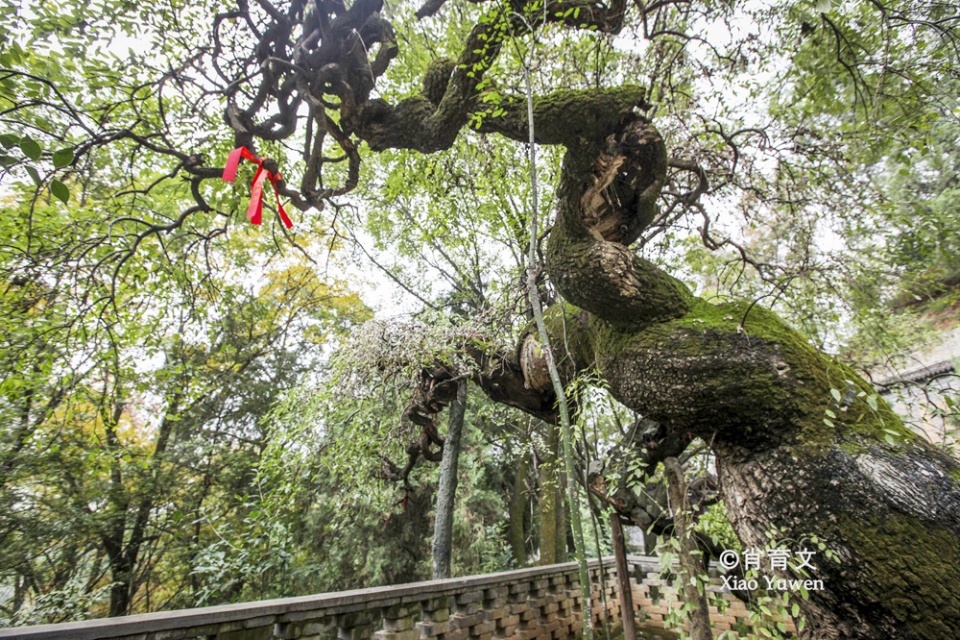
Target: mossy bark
x=884 y=502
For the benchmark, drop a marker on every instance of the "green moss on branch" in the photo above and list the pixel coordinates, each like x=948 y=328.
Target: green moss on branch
x=567 y=116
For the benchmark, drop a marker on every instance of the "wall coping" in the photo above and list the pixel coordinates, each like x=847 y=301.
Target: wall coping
x=286 y=609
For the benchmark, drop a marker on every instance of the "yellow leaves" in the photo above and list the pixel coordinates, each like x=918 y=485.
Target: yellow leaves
x=298 y=290
x=294 y=282
x=84 y=421
x=133 y=432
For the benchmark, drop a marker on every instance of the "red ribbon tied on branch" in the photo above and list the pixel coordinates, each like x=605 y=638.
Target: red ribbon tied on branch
x=255 y=210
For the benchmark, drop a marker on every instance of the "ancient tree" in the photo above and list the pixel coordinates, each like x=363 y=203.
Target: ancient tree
x=734 y=374
x=802 y=444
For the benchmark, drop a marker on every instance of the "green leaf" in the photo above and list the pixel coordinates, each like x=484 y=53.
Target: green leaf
x=62 y=158
x=872 y=401
x=30 y=148
x=9 y=140
x=836 y=394
x=33 y=174
x=60 y=191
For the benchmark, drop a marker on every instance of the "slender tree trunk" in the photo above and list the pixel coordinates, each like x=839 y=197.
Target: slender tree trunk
x=561 y=528
x=447 y=489
x=548 y=518
x=623 y=578
x=566 y=437
x=518 y=510
x=120 y=596
x=114 y=532
x=691 y=562
x=19 y=591
x=552 y=536
x=124 y=554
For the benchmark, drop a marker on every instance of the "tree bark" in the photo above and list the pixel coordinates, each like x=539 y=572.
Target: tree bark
x=447 y=487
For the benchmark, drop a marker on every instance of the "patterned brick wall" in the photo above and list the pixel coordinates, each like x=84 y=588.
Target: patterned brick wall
x=541 y=603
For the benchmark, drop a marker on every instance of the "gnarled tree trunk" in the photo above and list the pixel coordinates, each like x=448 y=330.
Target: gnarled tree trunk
x=792 y=458
x=885 y=502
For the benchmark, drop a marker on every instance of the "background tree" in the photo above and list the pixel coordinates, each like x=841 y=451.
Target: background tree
x=133 y=387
